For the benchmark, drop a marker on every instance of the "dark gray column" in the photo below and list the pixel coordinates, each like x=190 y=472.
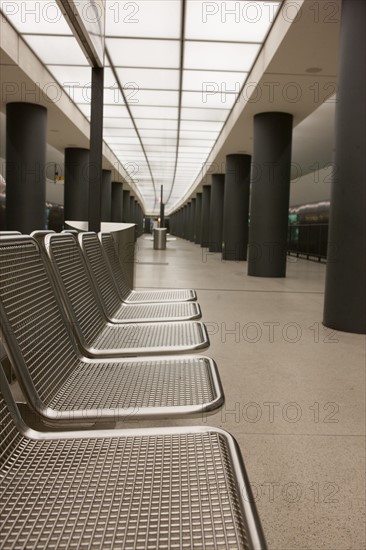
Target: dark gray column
x=236 y=208
x=270 y=195
x=205 y=221
x=76 y=184
x=177 y=219
x=187 y=212
x=345 y=287
x=96 y=149
x=147 y=225
x=162 y=215
x=117 y=202
x=179 y=223
x=137 y=216
x=189 y=219
x=184 y=215
x=171 y=224
x=26 y=130
x=192 y=223
x=180 y=231
x=106 y=196
x=132 y=210
x=198 y=224
x=126 y=206
x=216 y=212
x=162 y=207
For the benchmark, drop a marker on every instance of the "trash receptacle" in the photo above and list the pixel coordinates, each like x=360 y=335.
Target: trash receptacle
x=160 y=238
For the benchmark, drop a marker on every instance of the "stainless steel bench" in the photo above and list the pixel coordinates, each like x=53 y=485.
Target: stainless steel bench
x=165 y=488
x=61 y=384
x=99 y=337
x=127 y=294
x=108 y=294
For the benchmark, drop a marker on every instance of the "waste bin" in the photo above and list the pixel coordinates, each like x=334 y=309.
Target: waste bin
x=160 y=238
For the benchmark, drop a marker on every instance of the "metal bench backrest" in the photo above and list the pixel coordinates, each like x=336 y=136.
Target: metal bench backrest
x=98 y=265
x=34 y=329
x=110 y=250
x=76 y=285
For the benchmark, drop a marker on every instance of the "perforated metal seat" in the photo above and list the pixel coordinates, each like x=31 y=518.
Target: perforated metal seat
x=97 y=336
x=109 y=296
x=61 y=384
x=127 y=294
x=167 y=488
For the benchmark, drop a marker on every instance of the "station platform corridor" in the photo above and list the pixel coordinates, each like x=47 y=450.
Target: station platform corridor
x=295 y=391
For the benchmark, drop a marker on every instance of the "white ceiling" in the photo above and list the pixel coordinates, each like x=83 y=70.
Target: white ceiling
x=159 y=125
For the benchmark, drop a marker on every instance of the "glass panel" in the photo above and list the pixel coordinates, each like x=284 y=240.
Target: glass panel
x=189 y=149
x=144 y=53
x=158 y=148
x=85 y=109
x=164 y=142
x=79 y=76
x=109 y=122
x=192 y=155
x=57 y=50
x=159 y=134
x=167 y=79
x=84 y=94
x=139 y=111
x=122 y=140
x=167 y=158
x=201 y=125
x=115 y=111
x=133 y=149
x=118 y=132
x=196 y=143
x=208 y=99
x=151 y=124
x=229 y=20
x=152 y=18
x=214 y=115
x=203 y=136
x=220 y=81
x=31 y=16
x=220 y=56
x=113 y=96
x=156 y=98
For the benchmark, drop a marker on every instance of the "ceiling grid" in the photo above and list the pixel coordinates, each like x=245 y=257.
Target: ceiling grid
x=174 y=69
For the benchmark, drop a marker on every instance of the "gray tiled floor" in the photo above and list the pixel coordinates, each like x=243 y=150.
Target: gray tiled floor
x=295 y=392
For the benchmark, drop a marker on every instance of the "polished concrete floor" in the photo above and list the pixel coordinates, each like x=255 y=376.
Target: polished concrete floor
x=295 y=392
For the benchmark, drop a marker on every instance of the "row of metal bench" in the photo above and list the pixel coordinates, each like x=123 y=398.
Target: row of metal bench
x=85 y=347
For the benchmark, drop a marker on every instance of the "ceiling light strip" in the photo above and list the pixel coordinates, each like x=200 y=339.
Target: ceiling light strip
x=170 y=210
x=132 y=120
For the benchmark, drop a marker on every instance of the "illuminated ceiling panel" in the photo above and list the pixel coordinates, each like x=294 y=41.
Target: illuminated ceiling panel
x=147 y=18
x=220 y=56
x=60 y=50
x=143 y=53
x=230 y=21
